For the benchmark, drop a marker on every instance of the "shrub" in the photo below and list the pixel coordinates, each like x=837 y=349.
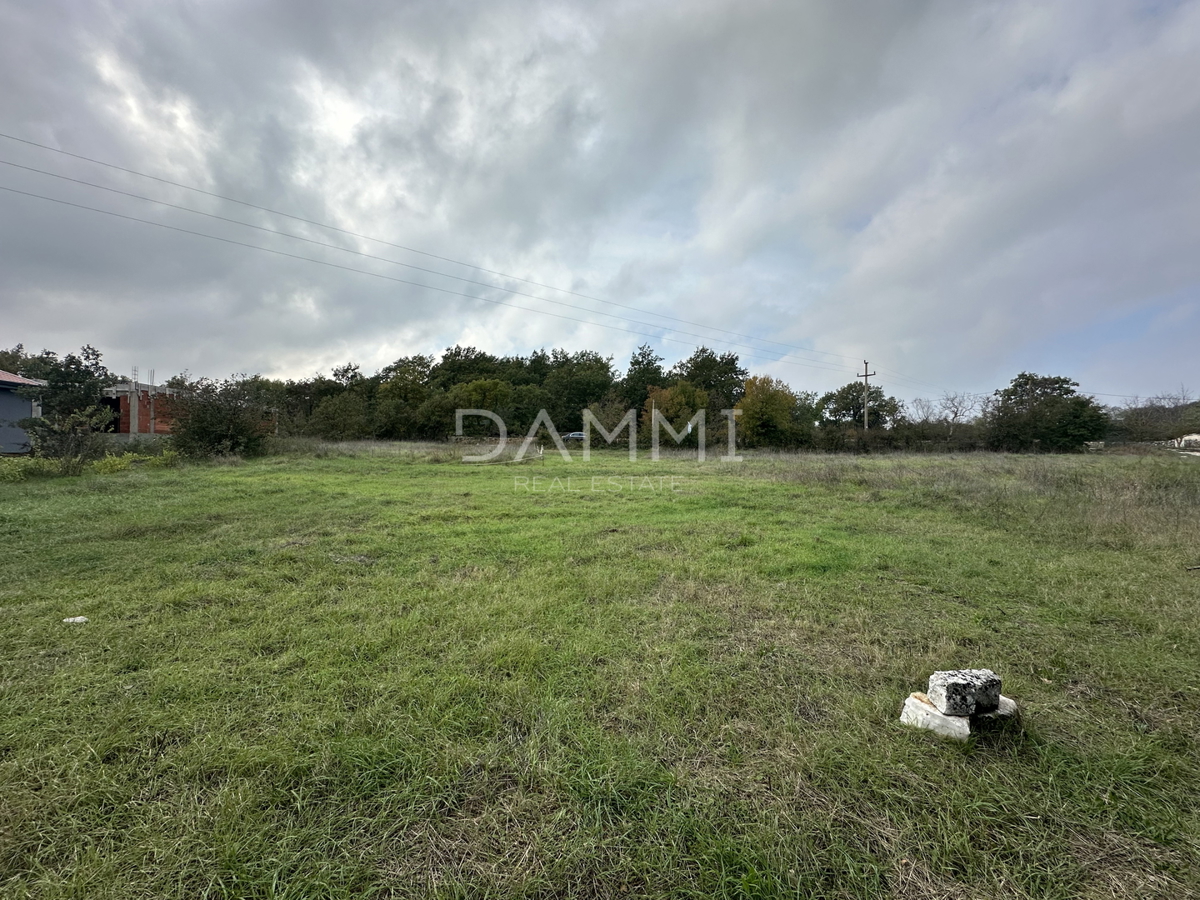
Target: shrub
x=219 y=418
x=168 y=459
x=18 y=468
x=72 y=439
x=111 y=464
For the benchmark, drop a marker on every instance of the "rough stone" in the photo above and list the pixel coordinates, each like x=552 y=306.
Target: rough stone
x=1006 y=709
x=920 y=713
x=965 y=692
x=75 y=620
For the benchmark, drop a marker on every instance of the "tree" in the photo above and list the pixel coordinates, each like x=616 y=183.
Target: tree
x=404 y=387
x=575 y=381
x=719 y=376
x=73 y=383
x=922 y=411
x=645 y=371
x=347 y=375
x=408 y=370
x=11 y=360
x=773 y=415
x=341 y=417
x=610 y=411
x=1038 y=412
x=1159 y=418
x=957 y=408
x=527 y=401
x=435 y=417
x=462 y=365
x=491 y=394
x=845 y=407
x=676 y=404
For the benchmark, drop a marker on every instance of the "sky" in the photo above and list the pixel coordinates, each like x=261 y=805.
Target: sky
x=953 y=191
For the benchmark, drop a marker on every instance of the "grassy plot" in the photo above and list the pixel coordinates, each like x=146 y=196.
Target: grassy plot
x=377 y=676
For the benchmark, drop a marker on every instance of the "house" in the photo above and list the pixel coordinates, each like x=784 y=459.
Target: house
x=14 y=408
x=140 y=408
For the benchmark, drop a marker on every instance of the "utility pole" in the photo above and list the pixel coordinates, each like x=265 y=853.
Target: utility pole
x=866 y=377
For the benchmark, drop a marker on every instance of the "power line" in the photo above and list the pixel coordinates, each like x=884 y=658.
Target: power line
x=900 y=376
x=369 y=255
x=367 y=237
x=418 y=284
x=896 y=376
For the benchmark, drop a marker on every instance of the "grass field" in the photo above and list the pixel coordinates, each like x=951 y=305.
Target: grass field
x=385 y=674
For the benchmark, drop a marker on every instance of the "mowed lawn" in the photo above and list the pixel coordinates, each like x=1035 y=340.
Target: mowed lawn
x=369 y=675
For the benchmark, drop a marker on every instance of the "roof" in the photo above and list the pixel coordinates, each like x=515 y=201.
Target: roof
x=8 y=379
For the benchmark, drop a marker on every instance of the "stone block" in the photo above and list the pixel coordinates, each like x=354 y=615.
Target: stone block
x=920 y=713
x=1006 y=709
x=965 y=692
x=75 y=620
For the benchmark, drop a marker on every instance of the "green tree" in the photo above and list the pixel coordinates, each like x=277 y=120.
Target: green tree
x=845 y=407
x=73 y=383
x=342 y=417
x=1046 y=413
x=491 y=394
x=527 y=401
x=720 y=376
x=462 y=365
x=11 y=360
x=645 y=371
x=404 y=387
x=435 y=417
x=576 y=380
x=347 y=375
x=773 y=415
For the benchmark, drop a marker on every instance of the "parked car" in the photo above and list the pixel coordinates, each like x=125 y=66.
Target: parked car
x=575 y=436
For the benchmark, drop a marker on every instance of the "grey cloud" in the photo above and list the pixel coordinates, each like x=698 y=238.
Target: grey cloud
x=954 y=190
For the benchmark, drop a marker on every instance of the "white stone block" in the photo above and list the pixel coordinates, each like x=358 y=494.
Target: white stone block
x=75 y=620
x=964 y=692
x=920 y=713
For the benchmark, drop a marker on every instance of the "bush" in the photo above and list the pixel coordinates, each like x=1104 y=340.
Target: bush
x=73 y=439
x=219 y=418
x=19 y=468
x=113 y=463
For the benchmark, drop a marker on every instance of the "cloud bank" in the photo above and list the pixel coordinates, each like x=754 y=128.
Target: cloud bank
x=954 y=191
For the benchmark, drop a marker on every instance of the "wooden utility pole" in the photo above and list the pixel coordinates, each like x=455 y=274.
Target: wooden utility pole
x=866 y=377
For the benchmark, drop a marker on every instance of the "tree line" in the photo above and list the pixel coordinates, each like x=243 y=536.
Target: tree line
x=416 y=397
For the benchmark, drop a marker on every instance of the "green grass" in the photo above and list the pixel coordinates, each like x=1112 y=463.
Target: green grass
x=388 y=675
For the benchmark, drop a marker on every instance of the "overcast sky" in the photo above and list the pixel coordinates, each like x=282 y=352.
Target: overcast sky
x=955 y=191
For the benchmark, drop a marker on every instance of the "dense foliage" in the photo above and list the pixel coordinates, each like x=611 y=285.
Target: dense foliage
x=1043 y=413
x=213 y=418
x=415 y=398
x=73 y=383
